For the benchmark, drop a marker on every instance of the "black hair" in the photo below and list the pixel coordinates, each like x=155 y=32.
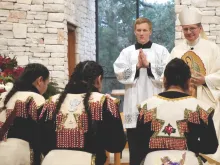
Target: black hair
x=177 y=73
x=85 y=72
x=25 y=81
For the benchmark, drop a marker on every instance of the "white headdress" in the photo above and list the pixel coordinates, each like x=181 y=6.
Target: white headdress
x=191 y=16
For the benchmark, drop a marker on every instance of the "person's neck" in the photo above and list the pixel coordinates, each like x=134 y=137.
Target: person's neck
x=144 y=42
x=193 y=43
x=175 y=89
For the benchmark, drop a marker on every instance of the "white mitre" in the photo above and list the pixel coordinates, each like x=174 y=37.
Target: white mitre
x=190 y=16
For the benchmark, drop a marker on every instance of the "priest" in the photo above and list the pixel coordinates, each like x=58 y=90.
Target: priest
x=139 y=67
x=203 y=57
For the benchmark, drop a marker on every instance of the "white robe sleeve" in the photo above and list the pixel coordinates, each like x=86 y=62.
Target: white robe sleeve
x=213 y=79
x=125 y=68
x=159 y=65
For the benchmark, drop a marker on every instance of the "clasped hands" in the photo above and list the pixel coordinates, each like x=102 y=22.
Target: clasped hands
x=142 y=60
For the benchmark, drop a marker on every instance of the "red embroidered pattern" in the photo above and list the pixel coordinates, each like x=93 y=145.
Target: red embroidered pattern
x=74 y=138
x=22 y=111
x=5 y=136
x=70 y=138
x=96 y=110
x=193 y=117
x=32 y=109
x=169 y=129
x=59 y=121
x=83 y=122
x=8 y=112
x=148 y=116
x=50 y=107
x=168 y=143
x=20 y=108
x=204 y=115
x=1 y=124
x=183 y=127
x=156 y=125
x=112 y=107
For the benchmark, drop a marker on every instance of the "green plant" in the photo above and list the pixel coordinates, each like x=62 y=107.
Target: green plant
x=52 y=89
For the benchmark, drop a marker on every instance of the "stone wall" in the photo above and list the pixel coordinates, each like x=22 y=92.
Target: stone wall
x=36 y=31
x=81 y=13
x=210 y=19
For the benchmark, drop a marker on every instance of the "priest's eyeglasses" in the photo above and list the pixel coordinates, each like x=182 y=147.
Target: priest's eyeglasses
x=191 y=29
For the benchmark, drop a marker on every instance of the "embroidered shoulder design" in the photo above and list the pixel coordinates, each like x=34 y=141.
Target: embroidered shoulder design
x=24 y=109
x=200 y=113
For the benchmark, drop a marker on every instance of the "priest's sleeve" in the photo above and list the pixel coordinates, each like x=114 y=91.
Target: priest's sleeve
x=125 y=68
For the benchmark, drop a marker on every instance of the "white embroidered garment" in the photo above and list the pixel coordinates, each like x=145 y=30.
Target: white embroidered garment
x=16 y=151
x=72 y=119
x=20 y=98
x=209 y=54
x=172 y=124
x=138 y=89
x=169 y=119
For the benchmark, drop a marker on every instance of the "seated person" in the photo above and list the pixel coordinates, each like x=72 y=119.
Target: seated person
x=174 y=120
x=81 y=119
x=18 y=117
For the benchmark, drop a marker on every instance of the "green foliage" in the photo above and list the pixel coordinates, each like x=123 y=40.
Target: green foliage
x=52 y=89
x=6 y=79
x=115 y=22
x=163 y=18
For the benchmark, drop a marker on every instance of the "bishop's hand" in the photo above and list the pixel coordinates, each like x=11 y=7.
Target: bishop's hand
x=198 y=79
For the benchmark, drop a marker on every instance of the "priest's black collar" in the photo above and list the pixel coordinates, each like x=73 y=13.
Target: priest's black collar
x=143 y=46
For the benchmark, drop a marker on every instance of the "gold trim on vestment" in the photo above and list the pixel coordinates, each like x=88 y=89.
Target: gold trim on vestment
x=174 y=99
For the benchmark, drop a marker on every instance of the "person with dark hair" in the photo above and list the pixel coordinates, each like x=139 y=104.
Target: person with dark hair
x=177 y=124
x=139 y=67
x=18 y=117
x=203 y=56
x=81 y=120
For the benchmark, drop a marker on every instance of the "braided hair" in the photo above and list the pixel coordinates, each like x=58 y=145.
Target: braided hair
x=177 y=73
x=25 y=81
x=84 y=72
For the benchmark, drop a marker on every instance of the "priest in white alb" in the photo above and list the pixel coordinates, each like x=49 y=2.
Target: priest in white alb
x=139 y=67
x=203 y=57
